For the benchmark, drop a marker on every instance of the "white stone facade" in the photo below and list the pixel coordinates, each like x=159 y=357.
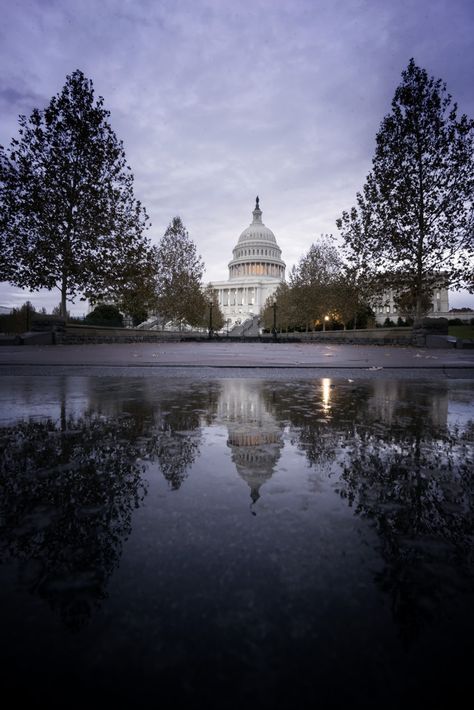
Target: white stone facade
x=385 y=307
x=255 y=272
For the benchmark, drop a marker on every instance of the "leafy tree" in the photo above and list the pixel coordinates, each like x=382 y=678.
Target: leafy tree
x=179 y=274
x=57 y=312
x=364 y=317
x=414 y=217
x=105 y=314
x=407 y=304
x=7 y=265
x=138 y=297
x=347 y=297
x=70 y=219
x=218 y=320
x=19 y=320
x=314 y=279
x=286 y=317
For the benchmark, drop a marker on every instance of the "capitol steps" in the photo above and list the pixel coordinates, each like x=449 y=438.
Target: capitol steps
x=249 y=328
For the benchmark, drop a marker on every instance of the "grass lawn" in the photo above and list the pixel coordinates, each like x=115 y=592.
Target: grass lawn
x=462 y=331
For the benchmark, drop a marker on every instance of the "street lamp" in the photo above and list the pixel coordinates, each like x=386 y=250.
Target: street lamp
x=210 y=319
x=274 y=330
x=325 y=320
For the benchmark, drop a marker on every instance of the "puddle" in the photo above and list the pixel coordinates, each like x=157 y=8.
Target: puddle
x=252 y=538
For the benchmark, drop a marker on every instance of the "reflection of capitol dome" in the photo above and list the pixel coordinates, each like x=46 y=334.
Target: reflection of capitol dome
x=255 y=272
x=254 y=438
x=255 y=455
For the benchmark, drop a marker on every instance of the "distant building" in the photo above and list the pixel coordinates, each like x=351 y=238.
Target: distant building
x=255 y=272
x=385 y=305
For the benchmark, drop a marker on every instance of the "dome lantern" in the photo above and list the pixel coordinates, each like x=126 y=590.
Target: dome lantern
x=257 y=213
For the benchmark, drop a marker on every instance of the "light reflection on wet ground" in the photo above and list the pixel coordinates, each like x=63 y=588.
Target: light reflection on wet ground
x=257 y=540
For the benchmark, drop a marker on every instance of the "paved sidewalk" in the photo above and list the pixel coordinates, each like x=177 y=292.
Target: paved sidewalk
x=234 y=355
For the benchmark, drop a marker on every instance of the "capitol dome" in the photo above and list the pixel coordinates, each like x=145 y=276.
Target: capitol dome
x=255 y=273
x=257 y=231
x=257 y=252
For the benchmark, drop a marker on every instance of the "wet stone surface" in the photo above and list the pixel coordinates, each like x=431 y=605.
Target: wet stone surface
x=236 y=542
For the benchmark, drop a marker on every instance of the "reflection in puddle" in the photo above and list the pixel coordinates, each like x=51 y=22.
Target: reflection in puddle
x=124 y=517
x=326 y=393
x=68 y=492
x=255 y=438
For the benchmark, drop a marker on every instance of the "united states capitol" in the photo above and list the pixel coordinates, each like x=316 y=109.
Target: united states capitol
x=257 y=269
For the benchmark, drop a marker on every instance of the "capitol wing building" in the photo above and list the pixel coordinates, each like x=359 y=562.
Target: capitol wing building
x=255 y=272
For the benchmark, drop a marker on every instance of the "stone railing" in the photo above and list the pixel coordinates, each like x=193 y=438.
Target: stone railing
x=425 y=334
x=368 y=336
x=76 y=334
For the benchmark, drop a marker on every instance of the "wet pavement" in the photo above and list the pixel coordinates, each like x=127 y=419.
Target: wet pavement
x=236 y=355
x=220 y=541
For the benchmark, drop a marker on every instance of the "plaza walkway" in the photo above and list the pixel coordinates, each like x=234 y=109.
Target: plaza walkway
x=284 y=356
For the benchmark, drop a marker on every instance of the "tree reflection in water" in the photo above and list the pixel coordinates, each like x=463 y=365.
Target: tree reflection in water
x=320 y=416
x=68 y=493
x=169 y=420
x=398 y=464
x=418 y=490
x=69 y=486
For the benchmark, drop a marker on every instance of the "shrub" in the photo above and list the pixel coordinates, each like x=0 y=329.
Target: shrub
x=104 y=314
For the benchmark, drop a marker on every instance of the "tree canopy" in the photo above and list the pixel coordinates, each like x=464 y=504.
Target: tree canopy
x=70 y=219
x=321 y=289
x=414 y=220
x=314 y=280
x=179 y=271
x=217 y=319
x=105 y=314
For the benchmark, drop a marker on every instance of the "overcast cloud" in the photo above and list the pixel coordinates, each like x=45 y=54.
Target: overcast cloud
x=217 y=101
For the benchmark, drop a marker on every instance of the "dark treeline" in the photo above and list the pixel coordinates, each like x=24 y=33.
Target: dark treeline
x=325 y=293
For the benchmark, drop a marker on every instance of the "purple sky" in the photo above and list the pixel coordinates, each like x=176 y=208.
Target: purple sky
x=217 y=101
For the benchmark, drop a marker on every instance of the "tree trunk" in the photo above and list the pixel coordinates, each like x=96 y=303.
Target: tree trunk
x=63 y=310
x=418 y=306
